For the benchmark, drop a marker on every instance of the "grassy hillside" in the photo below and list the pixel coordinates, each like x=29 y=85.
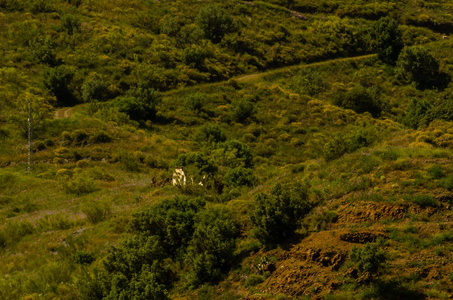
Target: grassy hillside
x=314 y=169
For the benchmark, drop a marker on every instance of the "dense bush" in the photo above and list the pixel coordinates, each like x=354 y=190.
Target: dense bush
x=58 y=81
x=140 y=102
x=94 y=89
x=368 y=258
x=210 y=251
x=70 y=24
x=215 y=22
x=195 y=101
x=211 y=134
x=276 y=216
x=242 y=110
x=388 y=38
x=416 y=64
x=416 y=113
x=236 y=154
x=172 y=221
x=43 y=48
x=239 y=177
x=360 y=100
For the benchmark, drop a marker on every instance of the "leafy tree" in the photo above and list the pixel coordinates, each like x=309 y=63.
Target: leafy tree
x=70 y=24
x=360 y=100
x=388 y=38
x=369 y=258
x=276 y=215
x=211 y=249
x=195 y=101
x=215 y=22
x=211 y=134
x=416 y=113
x=242 y=110
x=93 y=89
x=58 y=81
x=416 y=64
x=239 y=177
x=140 y=102
x=43 y=48
x=197 y=165
x=236 y=154
x=172 y=221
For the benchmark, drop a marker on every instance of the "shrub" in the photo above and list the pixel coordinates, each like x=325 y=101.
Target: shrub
x=236 y=154
x=195 y=101
x=99 y=137
x=54 y=222
x=84 y=258
x=211 y=134
x=368 y=258
x=94 y=89
x=253 y=280
x=96 y=211
x=79 y=184
x=388 y=38
x=416 y=113
x=70 y=24
x=239 y=176
x=140 y=103
x=58 y=81
x=212 y=246
x=242 y=110
x=360 y=100
x=215 y=22
x=276 y=215
x=43 y=48
x=436 y=172
x=416 y=64
x=172 y=221
x=422 y=200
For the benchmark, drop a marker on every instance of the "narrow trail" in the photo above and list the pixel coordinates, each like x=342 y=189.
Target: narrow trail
x=67 y=112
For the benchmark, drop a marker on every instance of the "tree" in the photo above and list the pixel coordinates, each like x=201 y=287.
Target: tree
x=140 y=102
x=388 y=39
x=215 y=22
x=58 y=81
x=416 y=64
x=369 y=258
x=360 y=100
x=276 y=215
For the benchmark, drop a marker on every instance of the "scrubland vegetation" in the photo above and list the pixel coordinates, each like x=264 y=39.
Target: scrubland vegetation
x=316 y=138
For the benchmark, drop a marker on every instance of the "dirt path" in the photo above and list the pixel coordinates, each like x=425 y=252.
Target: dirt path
x=65 y=112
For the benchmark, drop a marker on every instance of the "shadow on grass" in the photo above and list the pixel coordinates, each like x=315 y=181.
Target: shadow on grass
x=392 y=290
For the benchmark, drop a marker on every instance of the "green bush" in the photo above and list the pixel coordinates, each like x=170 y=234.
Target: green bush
x=171 y=221
x=195 y=101
x=276 y=216
x=215 y=22
x=242 y=110
x=54 y=222
x=422 y=200
x=79 y=184
x=239 y=176
x=416 y=113
x=84 y=258
x=236 y=154
x=211 y=249
x=368 y=258
x=58 y=81
x=416 y=64
x=96 y=211
x=388 y=38
x=99 y=137
x=94 y=89
x=360 y=100
x=253 y=280
x=436 y=172
x=211 y=134
x=140 y=102
x=70 y=24
x=43 y=48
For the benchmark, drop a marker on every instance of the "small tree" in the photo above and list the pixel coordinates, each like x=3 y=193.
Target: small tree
x=276 y=215
x=388 y=39
x=369 y=259
x=215 y=22
x=416 y=64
